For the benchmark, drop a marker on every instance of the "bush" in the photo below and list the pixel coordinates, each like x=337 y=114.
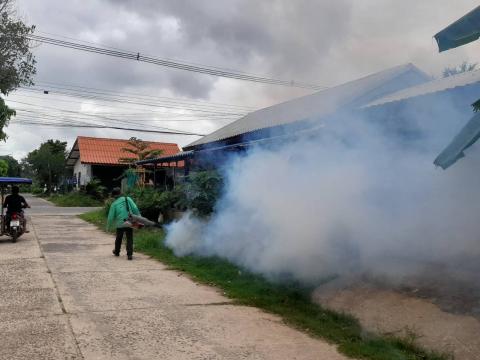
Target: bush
x=201 y=193
x=26 y=188
x=204 y=190
x=152 y=202
x=146 y=200
x=95 y=189
x=107 y=204
x=36 y=189
x=171 y=201
x=74 y=199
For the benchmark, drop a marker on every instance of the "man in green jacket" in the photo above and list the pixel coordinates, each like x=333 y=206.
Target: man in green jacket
x=117 y=215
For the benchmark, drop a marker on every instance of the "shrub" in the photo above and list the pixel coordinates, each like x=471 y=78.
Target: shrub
x=107 y=204
x=36 y=189
x=169 y=201
x=74 y=199
x=203 y=191
x=146 y=200
x=95 y=189
x=26 y=188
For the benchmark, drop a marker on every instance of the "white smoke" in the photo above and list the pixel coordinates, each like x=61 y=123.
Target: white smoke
x=350 y=200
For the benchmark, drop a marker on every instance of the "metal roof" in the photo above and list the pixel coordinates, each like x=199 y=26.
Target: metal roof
x=167 y=159
x=461 y=32
x=448 y=83
x=14 y=180
x=322 y=103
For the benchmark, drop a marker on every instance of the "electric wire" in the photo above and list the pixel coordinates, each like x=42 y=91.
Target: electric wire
x=142 y=98
x=161 y=98
x=107 y=118
x=51 y=120
x=130 y=55
x=44 y=124
x=157 y=116
x=126 y=101
x=117 y=107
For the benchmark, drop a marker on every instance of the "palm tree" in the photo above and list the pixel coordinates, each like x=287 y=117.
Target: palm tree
x=141 y=150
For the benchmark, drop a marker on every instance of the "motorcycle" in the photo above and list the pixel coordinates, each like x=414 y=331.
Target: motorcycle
x=17 y=225
x=16 y=222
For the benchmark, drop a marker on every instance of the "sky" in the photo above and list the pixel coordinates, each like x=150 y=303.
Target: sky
x=318 y=42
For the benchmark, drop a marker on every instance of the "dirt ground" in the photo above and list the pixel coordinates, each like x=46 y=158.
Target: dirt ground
x=63 y=295
x=440 y=307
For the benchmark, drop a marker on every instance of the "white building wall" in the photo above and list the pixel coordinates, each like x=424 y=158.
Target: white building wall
x=85 y=171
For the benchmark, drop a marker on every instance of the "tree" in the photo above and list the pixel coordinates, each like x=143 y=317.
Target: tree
x=141 y=150
x=464 y=67
x=17 y=63
x=48 y=162
x=476 y=106
x=3 y=168
x=14 y=168
x=5 y=115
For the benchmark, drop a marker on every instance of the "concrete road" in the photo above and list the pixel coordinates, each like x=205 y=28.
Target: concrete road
x=63 y=295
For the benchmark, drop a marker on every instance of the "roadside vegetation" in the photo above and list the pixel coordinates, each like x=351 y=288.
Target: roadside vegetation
x=17 y=63
x=199 y=194
x=92 y=195
x=290 y=301
x=74 y=199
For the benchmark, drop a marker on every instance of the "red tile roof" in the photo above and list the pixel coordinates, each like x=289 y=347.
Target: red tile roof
x=101 y=151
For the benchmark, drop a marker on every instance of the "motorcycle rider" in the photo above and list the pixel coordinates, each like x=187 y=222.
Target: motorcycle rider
x=15 y=203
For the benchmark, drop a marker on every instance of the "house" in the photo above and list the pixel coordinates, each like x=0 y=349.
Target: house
x=100 y=158
x=296 y=115
x=391 y=97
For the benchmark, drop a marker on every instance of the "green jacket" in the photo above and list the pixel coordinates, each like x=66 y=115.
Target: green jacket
x=118 y=212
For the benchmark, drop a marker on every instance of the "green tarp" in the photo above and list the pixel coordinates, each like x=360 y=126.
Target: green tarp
x=461 y=32
x=469 y=134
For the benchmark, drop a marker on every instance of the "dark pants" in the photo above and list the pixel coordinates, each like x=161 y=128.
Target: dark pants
x=118 y=240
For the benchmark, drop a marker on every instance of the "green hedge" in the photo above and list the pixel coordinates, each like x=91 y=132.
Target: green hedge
x=74 y=199
x=200 y=192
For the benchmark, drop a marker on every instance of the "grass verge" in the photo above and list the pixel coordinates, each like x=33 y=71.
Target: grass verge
x=74 y=199
x=292 y=302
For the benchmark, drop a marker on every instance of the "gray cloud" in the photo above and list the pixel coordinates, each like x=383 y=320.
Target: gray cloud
x=289 y=39
x=323 y=42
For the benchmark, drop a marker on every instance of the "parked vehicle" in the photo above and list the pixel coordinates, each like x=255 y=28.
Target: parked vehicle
x=16 y=223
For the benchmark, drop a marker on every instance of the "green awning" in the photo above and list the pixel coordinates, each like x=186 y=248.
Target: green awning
x=461 y=32
x=469 y=134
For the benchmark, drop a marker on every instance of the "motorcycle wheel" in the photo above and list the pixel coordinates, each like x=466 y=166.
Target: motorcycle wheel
x=14 y=236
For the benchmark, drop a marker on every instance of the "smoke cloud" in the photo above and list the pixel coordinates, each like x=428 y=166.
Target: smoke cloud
x=361 y=196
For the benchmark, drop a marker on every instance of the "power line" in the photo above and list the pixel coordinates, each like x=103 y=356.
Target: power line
x=105 y=118
x=68 y=113
x=208 y=70
x=132 y=102
x=156 y=100
x=82 y=120
x=160 y=98
x=53 y=121
x=133 y=120
x=154 y=114
x=103 y=127
x=146 y=111
x=116 y=48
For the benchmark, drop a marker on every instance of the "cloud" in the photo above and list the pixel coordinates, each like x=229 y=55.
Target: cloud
x=287 y=39
x=322 y=42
